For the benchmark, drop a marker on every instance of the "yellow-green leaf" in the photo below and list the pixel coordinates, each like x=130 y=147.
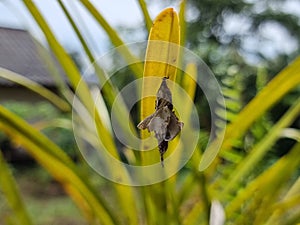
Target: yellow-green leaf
x=284 y=82
x=52 y=158
x=161 y=56
x=182 y=22
x=148 y=21
x=35 y=87
x=114 y=37
x=260 y=149
x=160 y=61
x=63 y=58
x=11 y=192
x=268 y=182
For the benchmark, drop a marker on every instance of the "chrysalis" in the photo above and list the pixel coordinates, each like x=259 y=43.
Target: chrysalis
x=163 y=121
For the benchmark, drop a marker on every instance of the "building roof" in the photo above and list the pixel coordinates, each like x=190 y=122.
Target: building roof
x=19 y=53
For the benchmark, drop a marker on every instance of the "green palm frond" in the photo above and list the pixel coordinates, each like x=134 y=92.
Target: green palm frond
x=268 y=195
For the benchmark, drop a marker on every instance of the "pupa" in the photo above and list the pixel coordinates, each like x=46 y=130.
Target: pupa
x=163 y=122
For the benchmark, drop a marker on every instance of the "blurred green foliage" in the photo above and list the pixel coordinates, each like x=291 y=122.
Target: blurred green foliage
x=44 y=116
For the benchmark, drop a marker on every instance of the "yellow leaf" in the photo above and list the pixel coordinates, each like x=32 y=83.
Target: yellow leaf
x=189 y=85
x=161 y=59
x=161 y=55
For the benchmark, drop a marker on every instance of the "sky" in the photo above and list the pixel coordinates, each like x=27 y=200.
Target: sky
x=118 y=13
x=126 y=13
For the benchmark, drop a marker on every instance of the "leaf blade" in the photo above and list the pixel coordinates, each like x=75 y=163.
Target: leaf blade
x=52 y=158
x=12 y=194
x=284 y=82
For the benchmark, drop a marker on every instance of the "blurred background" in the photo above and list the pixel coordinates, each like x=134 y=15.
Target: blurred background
x=236 y=39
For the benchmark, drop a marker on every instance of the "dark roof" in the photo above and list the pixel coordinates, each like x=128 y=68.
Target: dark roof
x=18 y=53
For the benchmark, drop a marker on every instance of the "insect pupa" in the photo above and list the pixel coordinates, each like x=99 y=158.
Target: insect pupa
x=163 y=122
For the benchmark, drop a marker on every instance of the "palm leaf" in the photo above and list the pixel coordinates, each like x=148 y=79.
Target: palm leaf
x=258 y=151
x=114 y=38
x=147 y=18
x=284 y=82
x=11 y=192
x=37 y=88
x=59 y=165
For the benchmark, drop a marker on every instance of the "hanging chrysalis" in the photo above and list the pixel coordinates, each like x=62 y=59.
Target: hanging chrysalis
x=163 y=121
